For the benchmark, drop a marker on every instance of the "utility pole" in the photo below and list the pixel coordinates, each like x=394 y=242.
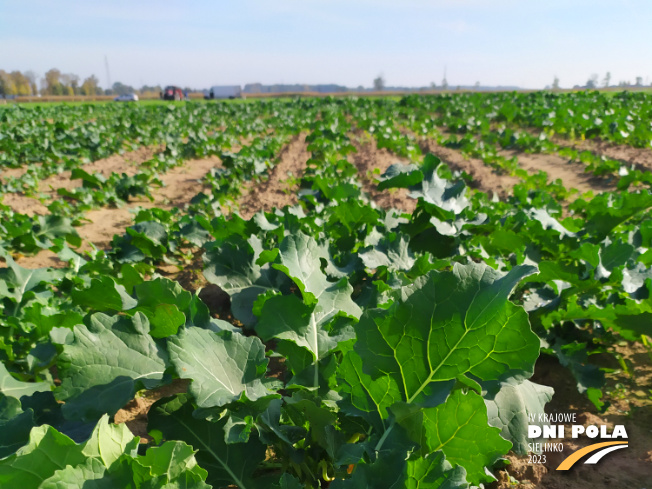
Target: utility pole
x=108 y=73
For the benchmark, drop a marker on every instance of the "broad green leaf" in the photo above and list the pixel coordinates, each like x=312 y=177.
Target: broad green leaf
x=610 y=209
x=11 y=387
x=287 y=318
x=509 y=407
x=365 y=396
x=439 y=194
x=387 y=472
x=16 y=281
x=162 y=301
x=222 y=367
x=171 y=460
x=226 y=463
x=453 y=323
x=434 y=471
x=399 y=175
x=300 y=259
x=104 y=294
x=106 y=364
x=15 y=425
x=47 y=451
x=394 y=254
x=109 y=442
x=459 y=429
x=289 y=482
x=89 y=475
x=233 y=267
x=306 y=323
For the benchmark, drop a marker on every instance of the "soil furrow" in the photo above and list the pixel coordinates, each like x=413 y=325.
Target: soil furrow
x=571 y=174
x=641 y=158
x=485 y=178
x=280 y=188
x=181 y=184
x=369 y=160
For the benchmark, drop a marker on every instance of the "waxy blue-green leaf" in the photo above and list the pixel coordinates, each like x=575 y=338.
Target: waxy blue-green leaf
x=511 y=404
x=305 y=323
x=11 y=387
x=106 y=364
x=300 y=259
x=223 y=367
x=232 y=265
x=394 y=254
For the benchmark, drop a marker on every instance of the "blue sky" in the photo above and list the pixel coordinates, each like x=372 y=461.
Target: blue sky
x=201 y=43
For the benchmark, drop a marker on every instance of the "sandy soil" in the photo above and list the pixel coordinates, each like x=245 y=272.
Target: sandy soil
x=134 y=414
x=640 y=157
x=126 y=163
x=369 y=158
x=275 y=191
x=571 y=174
x=24 y=205
x=484 y=177
x=181 y=184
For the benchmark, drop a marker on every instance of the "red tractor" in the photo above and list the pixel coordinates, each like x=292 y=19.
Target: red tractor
x=172 y=93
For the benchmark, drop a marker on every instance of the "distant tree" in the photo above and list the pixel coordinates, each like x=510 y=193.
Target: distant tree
x=607 y=79
x=32 y=77
x=119 y=88
x=74 y=83
x=53 y=84
x=150 y=91
x=639 y=81
x=379 y=83
x=70 y=83
x=20 y=83
x=555 y=83
x=433 y=85
x=90 y=86
x=6 y=85
x=477 y=85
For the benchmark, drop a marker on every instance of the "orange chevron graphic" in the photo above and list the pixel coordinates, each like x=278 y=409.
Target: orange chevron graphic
x=575 y=456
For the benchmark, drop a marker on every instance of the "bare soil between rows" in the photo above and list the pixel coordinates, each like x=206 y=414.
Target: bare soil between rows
x=571 y=174
x=127 y=163
x=280 y=188
x=640 y=158
x=371 y=162
x=484 y=177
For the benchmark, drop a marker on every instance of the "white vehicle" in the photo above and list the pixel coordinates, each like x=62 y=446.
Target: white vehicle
x=226 y=91
x=127 y=97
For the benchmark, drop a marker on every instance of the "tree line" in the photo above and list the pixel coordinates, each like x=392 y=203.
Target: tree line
x=54 y=82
